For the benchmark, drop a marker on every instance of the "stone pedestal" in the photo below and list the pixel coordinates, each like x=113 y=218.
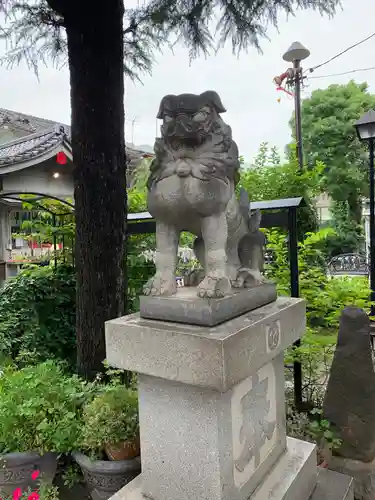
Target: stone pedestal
x=212 y=407
x=362 y=473
x=186 y=307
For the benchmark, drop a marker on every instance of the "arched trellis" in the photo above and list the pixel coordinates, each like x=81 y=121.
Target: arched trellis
x=38 y=196
x=35 y=198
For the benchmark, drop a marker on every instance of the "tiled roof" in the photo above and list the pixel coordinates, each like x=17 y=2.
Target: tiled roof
x=31 y=146
x=44 y=135
x=28 y=123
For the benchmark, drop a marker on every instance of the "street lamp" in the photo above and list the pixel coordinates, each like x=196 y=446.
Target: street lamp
x=295 y=54
x=365 y=128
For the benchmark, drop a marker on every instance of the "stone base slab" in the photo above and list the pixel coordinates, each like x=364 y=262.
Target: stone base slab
x=333 y=486
x=216 y=357
x=330 y=486
x=363 y=474
x=294 y=477
x=185 y=307
x=132 y=491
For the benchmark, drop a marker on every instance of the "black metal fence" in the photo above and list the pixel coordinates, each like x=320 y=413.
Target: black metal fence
x=348 y=264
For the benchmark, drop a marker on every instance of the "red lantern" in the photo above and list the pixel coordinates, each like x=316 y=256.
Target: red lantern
x=61 y=158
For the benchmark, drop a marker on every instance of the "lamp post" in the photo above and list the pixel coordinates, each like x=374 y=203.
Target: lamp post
x=365 y=128
x=295 y=54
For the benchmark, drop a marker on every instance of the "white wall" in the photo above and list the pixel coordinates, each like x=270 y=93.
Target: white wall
x=40 y=179
x=323 y=203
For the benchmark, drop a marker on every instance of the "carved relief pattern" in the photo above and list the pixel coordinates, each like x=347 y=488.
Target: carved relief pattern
x=108 y=482
x=256 y=428
x=254 y=423
x=273 y=336
x=16 y=475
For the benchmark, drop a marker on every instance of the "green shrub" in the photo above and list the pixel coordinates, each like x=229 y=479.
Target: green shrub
x=315 y=354
x=40 y=409
x=272 y=180
x=314 y=428
x=326 y=297
x=326 y=306
x=38 y=310
x=37 y=314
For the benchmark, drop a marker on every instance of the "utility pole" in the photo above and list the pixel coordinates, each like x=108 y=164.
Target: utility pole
x=295 y=54
x=133 y=123
x=297 y=111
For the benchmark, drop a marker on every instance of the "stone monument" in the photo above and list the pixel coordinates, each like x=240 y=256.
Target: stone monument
x=210 y=359
x=350 y=402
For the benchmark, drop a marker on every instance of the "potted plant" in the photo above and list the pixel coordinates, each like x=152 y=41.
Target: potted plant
x=39 y=416
x=110 y=449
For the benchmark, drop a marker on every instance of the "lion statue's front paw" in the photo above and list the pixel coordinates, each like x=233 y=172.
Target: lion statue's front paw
x=247 y=278
x=160 y=285
x=214 y=287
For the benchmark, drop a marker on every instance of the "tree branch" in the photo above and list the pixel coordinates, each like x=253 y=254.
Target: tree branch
x=34 y=29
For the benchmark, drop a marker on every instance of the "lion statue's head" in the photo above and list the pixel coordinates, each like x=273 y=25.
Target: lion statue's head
x=190 y=119
x=193 y=130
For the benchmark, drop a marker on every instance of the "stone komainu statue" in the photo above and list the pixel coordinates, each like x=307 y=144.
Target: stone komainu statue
x=191 y=187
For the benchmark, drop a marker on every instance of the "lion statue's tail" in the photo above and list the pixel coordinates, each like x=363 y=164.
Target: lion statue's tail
x=251 y=245
x=252 y=218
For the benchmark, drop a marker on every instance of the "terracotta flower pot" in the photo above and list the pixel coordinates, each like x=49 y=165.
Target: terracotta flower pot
x=124 y=451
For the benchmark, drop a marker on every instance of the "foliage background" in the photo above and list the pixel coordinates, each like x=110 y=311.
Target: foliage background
x=37 y=315
x=270 y=179
x=37 y=308
x=328 y=118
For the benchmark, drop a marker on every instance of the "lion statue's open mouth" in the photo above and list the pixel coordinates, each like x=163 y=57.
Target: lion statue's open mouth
x=191 y=187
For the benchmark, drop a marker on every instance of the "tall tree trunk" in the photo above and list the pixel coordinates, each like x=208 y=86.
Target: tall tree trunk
x=95 y=47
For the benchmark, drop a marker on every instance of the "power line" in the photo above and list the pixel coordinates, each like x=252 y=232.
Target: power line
x=341 y=53
x=344 y=73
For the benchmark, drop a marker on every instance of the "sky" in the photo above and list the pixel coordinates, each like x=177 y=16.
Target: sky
x=245 y=83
